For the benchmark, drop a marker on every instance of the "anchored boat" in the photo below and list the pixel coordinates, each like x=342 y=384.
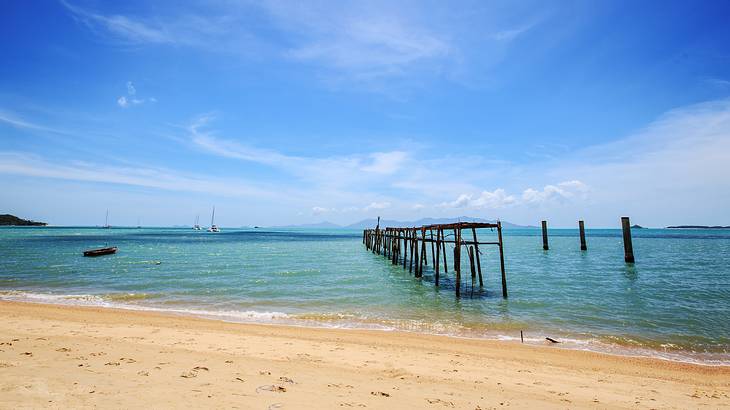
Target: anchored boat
x=101 y=251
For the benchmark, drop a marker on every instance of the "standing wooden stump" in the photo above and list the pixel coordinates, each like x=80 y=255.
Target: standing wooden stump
x=438 y=249
x=501 y=259
x=473 y=269
x=582 y=230
x=544 y=236
x=628 y=246
x=457 y=261
x=443 y=249
x=476 y=252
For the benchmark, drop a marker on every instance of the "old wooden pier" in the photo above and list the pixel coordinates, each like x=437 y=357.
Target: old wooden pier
x=410 y=246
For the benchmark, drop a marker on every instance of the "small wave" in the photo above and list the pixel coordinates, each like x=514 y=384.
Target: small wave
x=621 y=346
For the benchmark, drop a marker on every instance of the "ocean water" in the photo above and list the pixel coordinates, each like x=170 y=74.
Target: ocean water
x=673 y=303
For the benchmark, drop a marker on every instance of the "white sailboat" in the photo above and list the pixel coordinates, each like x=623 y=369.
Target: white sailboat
x=213 y=226
x=106 y=221
x=196 y=227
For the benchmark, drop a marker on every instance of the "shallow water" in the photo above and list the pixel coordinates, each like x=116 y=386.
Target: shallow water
x=673 y=303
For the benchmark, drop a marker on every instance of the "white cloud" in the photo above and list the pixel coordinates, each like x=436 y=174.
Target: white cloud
x=559 y=192
x=493 y=200
x=159 y=178
x=130 y=99
x=318 y=210
x=513 y=33
x=386 y=162
x=377 y=205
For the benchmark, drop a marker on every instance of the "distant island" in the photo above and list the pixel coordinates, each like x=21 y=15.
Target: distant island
x=697 y=227
x=637 y=227
x=12 y=220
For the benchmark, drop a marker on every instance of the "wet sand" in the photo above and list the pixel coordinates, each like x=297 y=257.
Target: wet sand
x=70 y=357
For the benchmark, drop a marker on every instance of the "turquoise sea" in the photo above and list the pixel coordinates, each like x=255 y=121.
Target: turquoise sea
x=673 y=303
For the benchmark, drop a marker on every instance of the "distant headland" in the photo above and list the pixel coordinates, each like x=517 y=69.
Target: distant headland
x=12 y=220
x=698 y=227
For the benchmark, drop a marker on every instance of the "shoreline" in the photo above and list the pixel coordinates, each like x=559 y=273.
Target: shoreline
x=306 y=321
x=97 y=356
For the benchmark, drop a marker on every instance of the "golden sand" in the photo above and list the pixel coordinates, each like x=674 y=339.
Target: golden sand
x=71 y=357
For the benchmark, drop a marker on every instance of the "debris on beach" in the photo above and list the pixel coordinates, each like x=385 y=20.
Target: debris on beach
x=551 y=340
x=271 y=387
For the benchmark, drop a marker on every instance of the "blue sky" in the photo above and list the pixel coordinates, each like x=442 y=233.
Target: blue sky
x=284 y=112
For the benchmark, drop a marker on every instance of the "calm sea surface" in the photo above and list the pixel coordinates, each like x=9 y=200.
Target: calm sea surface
x=673 y=303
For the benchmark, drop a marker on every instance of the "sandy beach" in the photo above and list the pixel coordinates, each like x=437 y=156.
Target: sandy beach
x=71 y=357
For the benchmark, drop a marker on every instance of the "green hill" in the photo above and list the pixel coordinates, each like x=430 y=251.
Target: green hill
x=12 y=220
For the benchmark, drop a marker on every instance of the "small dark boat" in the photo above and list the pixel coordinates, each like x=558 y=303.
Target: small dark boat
x=101 y=251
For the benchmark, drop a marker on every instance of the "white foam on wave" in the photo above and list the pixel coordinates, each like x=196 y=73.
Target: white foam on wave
x=98 y=301
x=361 y=323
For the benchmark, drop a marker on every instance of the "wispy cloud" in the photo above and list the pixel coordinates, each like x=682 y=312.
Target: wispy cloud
x=35 y=166
x=329 y=170
x=357 y=44
x=365 y=42
x=513 y=33
x=131 y=99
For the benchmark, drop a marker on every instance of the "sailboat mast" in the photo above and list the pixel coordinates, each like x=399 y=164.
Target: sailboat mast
x=212 y=218
x=106 y=221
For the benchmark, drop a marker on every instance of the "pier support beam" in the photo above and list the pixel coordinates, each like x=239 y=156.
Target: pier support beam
x=501 y=259
x=628 y=247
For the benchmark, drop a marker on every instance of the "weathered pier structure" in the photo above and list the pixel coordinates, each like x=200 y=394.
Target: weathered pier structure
x=410 y=246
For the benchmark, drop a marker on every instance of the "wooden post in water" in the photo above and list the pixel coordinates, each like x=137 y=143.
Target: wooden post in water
x=438 y=249
x=433 y=255
x=473 y=269
x=457 y=262
x=419 y=267
x=544 y=236
x=476 y=251
x=405 y=248
x=582 y=229
x=415 y=249
x=424 y=253
x=443 y=250
x=501 y=259
x=628 y=247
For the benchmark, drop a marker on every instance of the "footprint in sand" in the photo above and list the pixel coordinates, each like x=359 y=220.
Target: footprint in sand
x=27 y=354
x=194 y=372
x=63 y=349
x=112 y=364
x=143 y=373
x=441 y=402
x=127 y=360
x=286 y=380
x=379 y=393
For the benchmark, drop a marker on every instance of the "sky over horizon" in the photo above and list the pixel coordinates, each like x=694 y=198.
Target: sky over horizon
x=285 y=113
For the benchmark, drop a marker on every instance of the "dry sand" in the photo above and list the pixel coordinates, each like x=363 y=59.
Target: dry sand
x=71 y=357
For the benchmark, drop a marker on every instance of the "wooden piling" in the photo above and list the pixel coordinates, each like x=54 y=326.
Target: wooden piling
x=501 y=259
x=413 y=247
x=476 y=251
x=473 y=268
x=438 y=249
x=544 y=236
x=433 y=255
x=582 y=229
x=457 y=261
x=628 y=247
x=443 y=251
x=395 y=242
